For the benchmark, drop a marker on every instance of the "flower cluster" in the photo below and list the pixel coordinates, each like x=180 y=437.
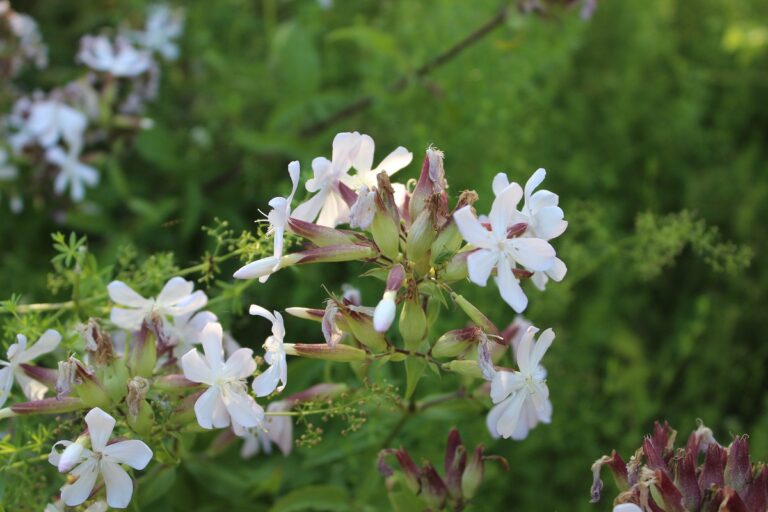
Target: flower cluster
x=62 y=128
x=703 y=475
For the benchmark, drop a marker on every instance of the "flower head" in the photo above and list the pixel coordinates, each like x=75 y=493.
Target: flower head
x=226 y=400
x=276 y=429
x=522 y=397
x=495 y=250
x=104 y=459
x=19 y=354
x=363 y=164
x=276 y=376
x=175 y=299
x=51 y=120
x=280 y=213
x=185 y=331
x=164 y=25
x=73 y=174
x=119 y=59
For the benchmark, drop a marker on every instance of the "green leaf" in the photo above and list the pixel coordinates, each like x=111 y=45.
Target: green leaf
x=155 y=484
x=414 y=369
x=313 y=497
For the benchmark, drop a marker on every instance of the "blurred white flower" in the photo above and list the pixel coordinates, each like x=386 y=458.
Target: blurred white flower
x=18 y=354
x=226 y=401
x=627 y=507
x=50 y=121
x=362 y=161
x=120 y=59
x=73 y=174
x=164 y=25
x=276 y=429
x=276 y=376
x=175 y=299
x=102 y=459
x=497 y=251
x=30 y=42
x=522 y=398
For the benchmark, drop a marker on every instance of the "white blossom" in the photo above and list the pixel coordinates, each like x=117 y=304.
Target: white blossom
x=362 y=161
x=522 y=397
x=185 y=331
x=48 y=122
x=627 y=507
x=164 y=25
x=496 y=251
x=226 y=401
x=279 y=214
x=276 y=429
x=73 y=174
x=119 y=59
x=19 y=353
x=104 y=459
x=30 y=42
x=276 y=376
x=175 y=299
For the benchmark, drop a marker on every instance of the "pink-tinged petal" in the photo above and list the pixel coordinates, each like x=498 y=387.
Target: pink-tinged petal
x=480 y=264
x=119 y=484
x=133 y=452
x=175 y=290
x=558 y=270
x=76 y=493
x=500 y=182
x=505 y=383
x=471 y=229
x=523 y=353
x=205 y=407
x=396 y=160
x=122 y=294
x=504 y=207
x=240 y=364
x=532 y=253
x=534 y=181
x=100 y=426
x=32 y=389
x=45 y=344
x=211 y=339
x=509 y=287
x=6 y=383
x=130 y=319
x=540 y=348
x=242 y=408
x=196 y=368
x=510 y=417
x=266 y=383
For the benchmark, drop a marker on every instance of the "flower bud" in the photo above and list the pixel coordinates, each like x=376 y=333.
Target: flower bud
x=46 y=376
x=473 y=474
x=447 y=242
x=263 y=268
x=455 y=463
x=140 y=417
x=410 y=470
x=71 y=454
x=454 y=342
x=336 y=253
x=433 y=489
x=385 y=311
x=45 y=406
x=431 y=181
x=475 y=315
x=174 y=384
x=339 y=353
x=323 y=236
x=456 y=268
x=385 y=227
x=306 y=313
x=143 y=354
x=362 y=212
x=114 y=378
x=361 y=327
x=84 y=383
x=421 y=234
x=413 y=323
x=464 y=367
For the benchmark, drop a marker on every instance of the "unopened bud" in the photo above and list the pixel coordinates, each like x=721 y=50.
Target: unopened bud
x=446 y=244
x=72 y=453
x=456 y=268
x=433 y=489
x=454 y=342
x=385 y=311
x=421 y=234
x=473 y=473
x=361 y=327
x=339 y=353
x=336 y=253
x=410 y=470
x=455 y=463
x=143 y=356
x=44 y=406
x=431 y=181
x=362 y=212
x=475 y=315
x=174 y=383
x=114 y=378
x=385 y=227
x=466 y=367
x=322 y=236
x=413 y=323
x=140 y=414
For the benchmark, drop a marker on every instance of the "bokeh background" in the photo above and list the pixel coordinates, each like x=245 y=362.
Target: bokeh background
x=651 y=119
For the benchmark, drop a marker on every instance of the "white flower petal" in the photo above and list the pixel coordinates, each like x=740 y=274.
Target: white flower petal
x=362 y=159
x=533 y=253
x=119 y=484
x=510 y=416
x=540 y=348
x=480 y=264
x=523 y=353
x=122 y=294
x=100 y=426
x=242 y=408
x=533 y=182
x=174 y=291
x=130 y=319
x=265 y=383
x=196 y=368
x=32 y=389
x=509 y=287
x=471 y=229
x=6 y=383
x=205 y=406
x=257 y=269
x=396 y=160
x=76 y=493
x=132 y=452
x=211 y=339
x=505 y=383
x=500 y=182
x=240 y=364
x=55 y=456
x=558 y=270
x=45 y=344
x=503 y=208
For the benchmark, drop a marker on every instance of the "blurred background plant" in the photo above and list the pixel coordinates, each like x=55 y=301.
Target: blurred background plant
x=649 y=115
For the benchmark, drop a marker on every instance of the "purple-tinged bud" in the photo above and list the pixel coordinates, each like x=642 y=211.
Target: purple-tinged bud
x=755 y=495
x=455 y=342
x=323 y=236
x=475 y=315
x=307 y=313
x=431 y=182
x=395 y=278
x=174 y=384
x=516 y=230
x=336 y=253
x=466 y=367
x=143 y=353
x=712 y=473
x=473 y=474
x=410 y=470
x=685 y=479
x=331 y=331
x=671 y=497
x=70 y=457
x=738 y=469
x=339 y=353
x=433 y=489
x=455 y=463
x=418 y=242
x=413 y=323
x=362 y=212
x=46 y=406
x=618 y=470
x=653 y=457
x=97 y=342
x=385 y=227
x=46 y=376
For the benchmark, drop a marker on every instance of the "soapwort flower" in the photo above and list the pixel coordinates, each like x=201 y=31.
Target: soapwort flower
x=175 y=299
x=276 y=376
x=226 y=400
x=19 y=354
x=163 y=26
x=276 y=429
x=51 y=120
x=279 y=214
x=522 y=398
x=102 y=458
x=119 y=58
x=73 y=174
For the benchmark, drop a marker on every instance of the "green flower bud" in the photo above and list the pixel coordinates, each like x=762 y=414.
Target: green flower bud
x=456 y=268
x=361 y=327
x=323 y=236
x=413 y=323
x=143 y=356
x=338 y=353
x=44 y=406
x=473 y=473
x=385 y=227
x=114 y=378
x=464 y=367
x=446 y=244
x=453 y=343
x=421 y=234
x=475 y=315
x=174 y=384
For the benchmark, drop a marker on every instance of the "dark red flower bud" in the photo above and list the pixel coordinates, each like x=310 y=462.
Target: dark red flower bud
x=738 y=470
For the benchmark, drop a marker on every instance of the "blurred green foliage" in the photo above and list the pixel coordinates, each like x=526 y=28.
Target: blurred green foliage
x=651 y=119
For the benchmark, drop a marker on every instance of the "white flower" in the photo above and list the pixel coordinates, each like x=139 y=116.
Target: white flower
x=522 y=397
x=627 y=507
x=175 y=299
x=277 y=373
x=502 y=253
x=185 y=331
x=30 y=42
x=280 y=213
x=543 y=217
x=73 y=174
x=362 y=161
x=50 y=121
x=328 y=205
x=164 y=25
x=118 y=59
x=18 y=354
x=226 y=400
x=362 y=212
x=105 y=459
x=277 y=430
